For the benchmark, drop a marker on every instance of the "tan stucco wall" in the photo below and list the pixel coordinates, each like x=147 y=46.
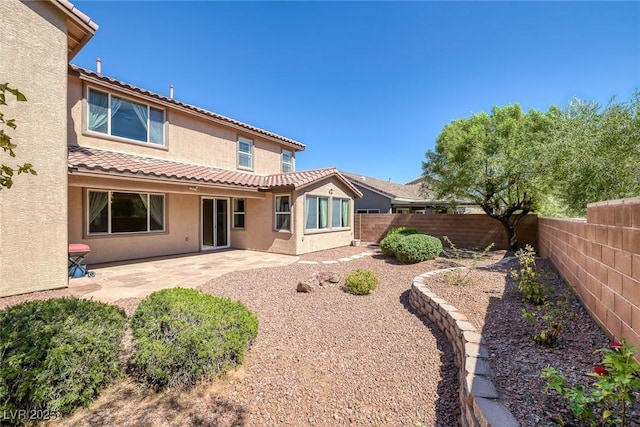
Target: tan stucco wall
x=183 y=231
x=188 y=138
x=321 y=240
x=33 y=214
x=183 y=223
x=259 y=233
x=182 y=235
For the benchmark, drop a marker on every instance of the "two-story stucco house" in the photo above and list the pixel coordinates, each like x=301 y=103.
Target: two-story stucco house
x=135 y=174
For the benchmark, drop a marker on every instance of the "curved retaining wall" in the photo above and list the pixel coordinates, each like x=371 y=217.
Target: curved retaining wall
x=478 y=396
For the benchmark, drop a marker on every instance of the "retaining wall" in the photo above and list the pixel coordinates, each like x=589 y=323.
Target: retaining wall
x=600 y=259
x=479 y=403
x=464 y=230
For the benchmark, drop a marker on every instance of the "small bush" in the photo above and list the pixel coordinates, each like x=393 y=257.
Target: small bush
x=417 y=248
x=361 y=282
x=184 y=335
x=57 y=354
x=392 y=238
x=530 y=286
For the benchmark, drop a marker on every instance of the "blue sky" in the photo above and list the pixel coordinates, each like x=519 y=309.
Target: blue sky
x=367 y=86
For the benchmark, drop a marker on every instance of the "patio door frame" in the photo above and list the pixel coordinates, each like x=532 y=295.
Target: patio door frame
x=216 y=226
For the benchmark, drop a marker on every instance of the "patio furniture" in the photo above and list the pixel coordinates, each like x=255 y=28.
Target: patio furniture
x=77 y=254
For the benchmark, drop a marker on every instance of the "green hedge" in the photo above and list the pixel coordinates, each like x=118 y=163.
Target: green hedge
x=361 y=282
x=56 y=355
x=417 y=248
x=390 y=242
x=183 y=335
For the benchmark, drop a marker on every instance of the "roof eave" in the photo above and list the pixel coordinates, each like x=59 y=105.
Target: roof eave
x=177 y=105
x=97 y=172
x=85 y=25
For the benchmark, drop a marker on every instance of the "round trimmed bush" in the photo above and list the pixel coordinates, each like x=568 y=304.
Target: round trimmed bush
x=57 y=354
x=389 y=243
x=417 y=248
x=392 y=238
x=361 y=282
x=184 y=335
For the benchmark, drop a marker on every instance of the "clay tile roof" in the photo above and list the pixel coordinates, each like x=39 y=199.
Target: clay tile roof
x=78 y=14
x=304 y=178
x=96 y=160
x=218 y=117
x=93 y=159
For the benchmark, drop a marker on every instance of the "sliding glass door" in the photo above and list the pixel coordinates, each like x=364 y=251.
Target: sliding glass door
x=215 y=223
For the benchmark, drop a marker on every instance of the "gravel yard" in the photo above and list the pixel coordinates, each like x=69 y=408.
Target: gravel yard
x=329 y=358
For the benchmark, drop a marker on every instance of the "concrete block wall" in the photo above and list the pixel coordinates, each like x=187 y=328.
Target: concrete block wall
x=479 y=399
x=600 y=259
x=465 y=231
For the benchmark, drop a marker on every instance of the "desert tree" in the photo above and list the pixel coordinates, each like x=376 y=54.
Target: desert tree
x=494 y=160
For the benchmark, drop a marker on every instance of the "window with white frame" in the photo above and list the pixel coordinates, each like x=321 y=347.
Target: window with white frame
x=115 y=116
x=339 y=213
x=282 y=210
x=322 y=213
x=111 y=212
x=287 y=161
x=316 y=213
x=238 y=213
x=245 y=153
x=367 y=211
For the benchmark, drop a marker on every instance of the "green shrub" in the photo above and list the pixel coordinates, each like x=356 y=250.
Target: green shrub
x=392 y=238
x=361 y=282
x=183 y=335
x=530 y=286
x=389 y=243
x=56 y=355
x=417 y=248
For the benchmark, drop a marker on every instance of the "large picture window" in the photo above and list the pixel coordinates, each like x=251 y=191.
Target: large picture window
x=283 y=213
x=115 y=116
x=324 y=213
x=111 y=212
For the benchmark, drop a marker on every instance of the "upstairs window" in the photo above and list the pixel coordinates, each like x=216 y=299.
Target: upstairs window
x=115 y=116
x=245 y=153
x=287 y=161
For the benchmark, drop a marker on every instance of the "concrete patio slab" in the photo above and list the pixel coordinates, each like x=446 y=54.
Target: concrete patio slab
x=139 y=278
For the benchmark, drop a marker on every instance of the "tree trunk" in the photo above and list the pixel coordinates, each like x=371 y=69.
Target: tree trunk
x=512 y=238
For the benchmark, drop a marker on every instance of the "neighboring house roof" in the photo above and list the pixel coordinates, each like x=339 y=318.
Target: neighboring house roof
x=392 y=190
x=93 y=76
x=94 y=160
x=412 y=192
x=80 y=27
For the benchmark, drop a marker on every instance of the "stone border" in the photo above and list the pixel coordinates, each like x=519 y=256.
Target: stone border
x=479 y=402
x=336 y=261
